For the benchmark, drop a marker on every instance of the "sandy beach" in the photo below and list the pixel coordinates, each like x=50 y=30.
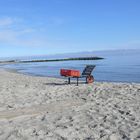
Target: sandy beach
x=42 y=108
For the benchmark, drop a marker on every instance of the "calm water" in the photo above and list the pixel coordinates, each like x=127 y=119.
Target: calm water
x=119 y=66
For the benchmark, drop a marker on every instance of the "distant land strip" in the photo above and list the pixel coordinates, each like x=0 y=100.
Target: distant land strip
x=52 y=60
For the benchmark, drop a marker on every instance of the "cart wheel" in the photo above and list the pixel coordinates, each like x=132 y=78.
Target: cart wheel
x=90 y=79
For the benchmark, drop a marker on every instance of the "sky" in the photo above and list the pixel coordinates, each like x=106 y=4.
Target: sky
x=42 y=27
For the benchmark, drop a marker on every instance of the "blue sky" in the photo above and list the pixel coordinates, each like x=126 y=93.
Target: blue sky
x=35 y=27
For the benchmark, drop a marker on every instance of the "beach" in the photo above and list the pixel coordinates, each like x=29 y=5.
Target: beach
x=43 y=108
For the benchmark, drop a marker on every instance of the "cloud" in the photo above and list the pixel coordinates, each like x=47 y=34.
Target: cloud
x=6 y=21
x=17 y=38
x=57 y=21
x=133 y=44
x=27 y=30
x=14 y=32
x=19 y=32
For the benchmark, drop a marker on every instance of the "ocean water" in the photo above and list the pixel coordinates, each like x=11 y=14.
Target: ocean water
x=118 y=66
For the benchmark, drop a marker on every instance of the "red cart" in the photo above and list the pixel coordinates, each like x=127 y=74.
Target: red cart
x=76 y=74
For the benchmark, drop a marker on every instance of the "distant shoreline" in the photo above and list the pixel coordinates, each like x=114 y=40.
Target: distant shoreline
x=51 y=60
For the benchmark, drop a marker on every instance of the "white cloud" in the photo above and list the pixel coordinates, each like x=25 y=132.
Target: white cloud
x=24 y=35
x=16 y=38
x=19 y=34
x=133 y=44
x=57 y=21
x=28 y=30
x=6 y=21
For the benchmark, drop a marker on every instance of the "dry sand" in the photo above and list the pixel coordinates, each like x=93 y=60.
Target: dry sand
x=42 y=108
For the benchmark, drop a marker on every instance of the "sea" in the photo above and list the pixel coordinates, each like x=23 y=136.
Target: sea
x=117 y=65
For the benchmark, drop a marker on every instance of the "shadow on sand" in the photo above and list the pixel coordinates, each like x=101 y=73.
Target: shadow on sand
x=64 y=83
